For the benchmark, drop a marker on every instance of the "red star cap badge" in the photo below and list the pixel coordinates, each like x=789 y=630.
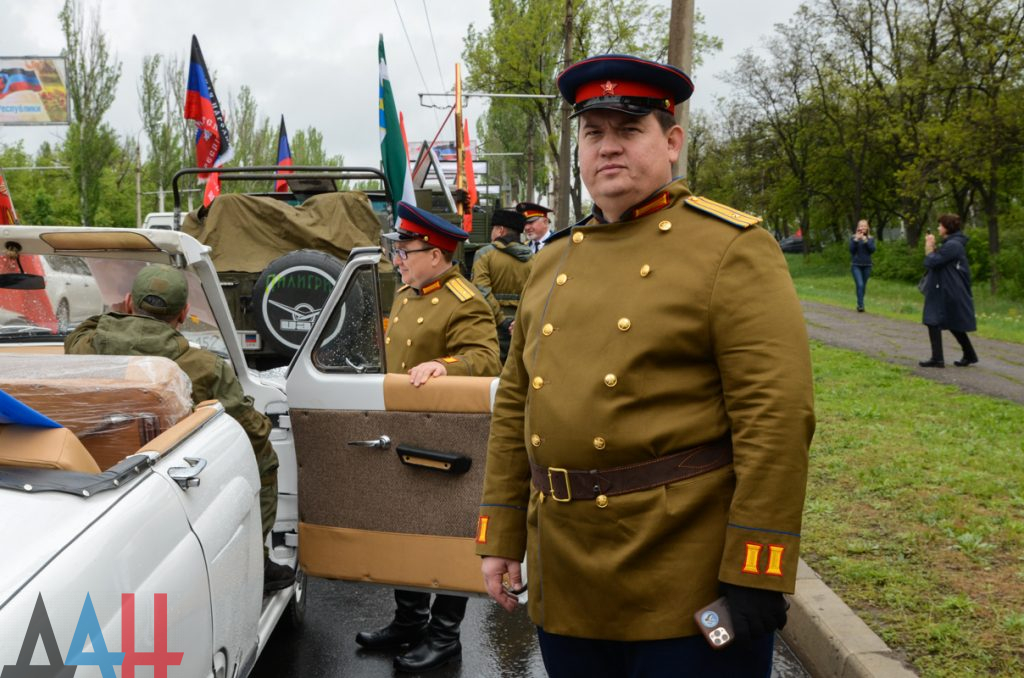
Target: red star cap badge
x=608 y=88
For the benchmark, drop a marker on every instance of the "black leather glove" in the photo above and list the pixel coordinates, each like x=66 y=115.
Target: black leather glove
x=755 y=612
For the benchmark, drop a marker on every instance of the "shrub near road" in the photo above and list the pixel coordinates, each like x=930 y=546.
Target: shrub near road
x=915 y=513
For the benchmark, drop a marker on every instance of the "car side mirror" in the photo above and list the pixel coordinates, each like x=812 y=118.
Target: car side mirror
x=22 y=281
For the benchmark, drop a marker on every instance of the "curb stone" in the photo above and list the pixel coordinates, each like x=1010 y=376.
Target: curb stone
x=830 y=640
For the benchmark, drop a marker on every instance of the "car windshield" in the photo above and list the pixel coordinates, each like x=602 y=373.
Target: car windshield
x=74 y=289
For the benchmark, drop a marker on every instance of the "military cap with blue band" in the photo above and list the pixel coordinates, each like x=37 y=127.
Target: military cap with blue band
x=417 y=224
x=623 y=83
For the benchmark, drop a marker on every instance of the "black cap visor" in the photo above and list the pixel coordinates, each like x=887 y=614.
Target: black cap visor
x=638 y=106
x=402 y=236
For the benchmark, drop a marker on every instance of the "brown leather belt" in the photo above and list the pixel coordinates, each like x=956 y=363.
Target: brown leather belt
x=570 y=485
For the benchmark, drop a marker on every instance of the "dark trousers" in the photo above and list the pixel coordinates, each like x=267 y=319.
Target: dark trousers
x=860 y=280
x=935 y=337
x=568 y=657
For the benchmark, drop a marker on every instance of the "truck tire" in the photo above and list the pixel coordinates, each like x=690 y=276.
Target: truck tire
x=289 y=295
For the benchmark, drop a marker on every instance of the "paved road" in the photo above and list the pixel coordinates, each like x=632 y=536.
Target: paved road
x=1000 y=372
x=495 y=644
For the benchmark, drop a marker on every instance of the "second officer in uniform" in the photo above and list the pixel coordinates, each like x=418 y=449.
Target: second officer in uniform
x=439 y=325
x=500 y=271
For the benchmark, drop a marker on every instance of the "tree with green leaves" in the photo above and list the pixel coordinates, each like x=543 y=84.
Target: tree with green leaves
x=92 y=76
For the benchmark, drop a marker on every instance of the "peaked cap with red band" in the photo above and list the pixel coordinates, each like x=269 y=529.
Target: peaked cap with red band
x=417 y=224
x=532 y=211
x=623 y=83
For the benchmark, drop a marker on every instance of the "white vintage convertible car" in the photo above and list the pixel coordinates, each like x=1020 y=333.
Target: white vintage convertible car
x=131 y=517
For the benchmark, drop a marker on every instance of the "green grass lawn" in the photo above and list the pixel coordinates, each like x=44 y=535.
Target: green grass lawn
x=831 y=283
x=915 y=513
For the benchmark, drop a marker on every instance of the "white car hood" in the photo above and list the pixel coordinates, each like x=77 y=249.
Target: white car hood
x=38 y=526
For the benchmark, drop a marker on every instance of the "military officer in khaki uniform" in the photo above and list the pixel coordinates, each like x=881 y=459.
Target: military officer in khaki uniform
x=439 y=325
x=648 y=450
x=500 y=271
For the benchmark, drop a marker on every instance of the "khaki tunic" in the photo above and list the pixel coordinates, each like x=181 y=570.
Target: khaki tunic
x=501 y=276
x=636 y=340
x=448 y=321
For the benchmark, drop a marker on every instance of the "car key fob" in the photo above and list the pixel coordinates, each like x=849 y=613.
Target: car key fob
x=715 y=623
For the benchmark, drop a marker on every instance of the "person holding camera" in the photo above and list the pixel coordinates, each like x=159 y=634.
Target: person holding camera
x=862 y=246
x=948 y=301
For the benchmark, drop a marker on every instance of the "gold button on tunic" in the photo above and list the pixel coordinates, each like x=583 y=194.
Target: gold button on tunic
x=624 y=324
x=547 y=329
x=577 y=237
x=560 y=280
x=610 y=380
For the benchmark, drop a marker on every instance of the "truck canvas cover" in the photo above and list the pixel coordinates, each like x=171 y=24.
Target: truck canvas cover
x=248 y=232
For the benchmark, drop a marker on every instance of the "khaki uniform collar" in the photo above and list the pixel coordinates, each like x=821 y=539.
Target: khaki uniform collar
x=438 y=283
x=664 y=197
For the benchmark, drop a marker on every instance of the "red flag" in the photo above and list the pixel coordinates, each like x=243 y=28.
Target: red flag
x=7 y=213
x=467 y=218
x=284 y=158
x=213 y=147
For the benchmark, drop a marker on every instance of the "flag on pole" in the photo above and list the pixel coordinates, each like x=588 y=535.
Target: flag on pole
x=7 y=213
x=467 y=218
x=393 y=154
x=284 y=158
x=213 y=146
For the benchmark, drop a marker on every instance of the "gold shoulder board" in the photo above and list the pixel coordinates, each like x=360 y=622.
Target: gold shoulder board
x=461 y=289
x=723 y=212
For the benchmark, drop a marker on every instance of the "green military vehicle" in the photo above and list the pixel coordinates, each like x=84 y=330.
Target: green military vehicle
x=279 y=254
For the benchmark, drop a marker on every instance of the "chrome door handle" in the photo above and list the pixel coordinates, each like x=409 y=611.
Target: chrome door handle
x=382 y=443
x=187 y=476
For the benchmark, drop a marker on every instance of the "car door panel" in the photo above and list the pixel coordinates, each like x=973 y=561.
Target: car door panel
x=365 y=502
x=142 y=545
x=367 y=513
x=223 y=510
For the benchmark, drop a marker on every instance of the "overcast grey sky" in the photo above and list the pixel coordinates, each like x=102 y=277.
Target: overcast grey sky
x=315 y=61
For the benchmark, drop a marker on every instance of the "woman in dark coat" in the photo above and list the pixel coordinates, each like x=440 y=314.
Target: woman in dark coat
x=948 y=302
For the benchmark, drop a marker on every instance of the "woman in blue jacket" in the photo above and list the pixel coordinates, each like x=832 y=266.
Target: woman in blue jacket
x=862 y=246
x=948 y=301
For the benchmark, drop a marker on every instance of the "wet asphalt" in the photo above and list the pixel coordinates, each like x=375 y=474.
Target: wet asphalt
x=495 y=644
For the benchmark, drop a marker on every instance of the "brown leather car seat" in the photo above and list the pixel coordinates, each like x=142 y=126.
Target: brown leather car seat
x=49 y=448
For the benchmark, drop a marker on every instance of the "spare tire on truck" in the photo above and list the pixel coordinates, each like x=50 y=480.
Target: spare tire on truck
x=278 y=263
x=289 y=295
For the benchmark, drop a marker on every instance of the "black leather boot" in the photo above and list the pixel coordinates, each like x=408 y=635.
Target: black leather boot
x=409 y=627
x=441 y=645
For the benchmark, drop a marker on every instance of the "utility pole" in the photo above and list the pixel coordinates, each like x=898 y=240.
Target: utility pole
x=680 y=54
x=530 y=177
x=138 y=184
x=562 y=211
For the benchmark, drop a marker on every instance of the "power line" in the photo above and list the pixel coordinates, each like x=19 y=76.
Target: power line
x=408 y=40
x=433 y=44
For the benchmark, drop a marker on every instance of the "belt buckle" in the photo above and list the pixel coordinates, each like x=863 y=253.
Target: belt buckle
x=551 y=484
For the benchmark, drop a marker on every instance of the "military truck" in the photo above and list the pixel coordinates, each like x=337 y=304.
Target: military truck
x=279 y=254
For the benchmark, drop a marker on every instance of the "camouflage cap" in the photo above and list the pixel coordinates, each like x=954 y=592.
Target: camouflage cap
x=160 y=290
